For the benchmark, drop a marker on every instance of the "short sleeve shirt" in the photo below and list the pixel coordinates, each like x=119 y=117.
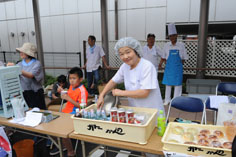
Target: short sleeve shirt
x=77 y=95
x=152 y=54
x=34 y=67
x=178 y=46
x=93 y=58
x=143 y=76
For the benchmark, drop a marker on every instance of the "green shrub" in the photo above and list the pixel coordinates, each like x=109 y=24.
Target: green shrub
x=85 y=83
x=49 y=80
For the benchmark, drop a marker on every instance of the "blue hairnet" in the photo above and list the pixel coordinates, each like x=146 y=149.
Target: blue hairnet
x=129 y=42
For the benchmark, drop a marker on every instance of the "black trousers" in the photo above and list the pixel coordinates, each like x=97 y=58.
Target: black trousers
x=35 y=99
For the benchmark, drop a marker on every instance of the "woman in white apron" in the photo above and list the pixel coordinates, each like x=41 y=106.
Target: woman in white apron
x=174 y=54
x=139 y=76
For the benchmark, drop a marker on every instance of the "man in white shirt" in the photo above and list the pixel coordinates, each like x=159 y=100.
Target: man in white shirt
x=152 y=52
x=93 y=55
x=174 y=55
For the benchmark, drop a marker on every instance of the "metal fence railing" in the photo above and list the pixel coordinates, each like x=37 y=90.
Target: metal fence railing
x=56 y=63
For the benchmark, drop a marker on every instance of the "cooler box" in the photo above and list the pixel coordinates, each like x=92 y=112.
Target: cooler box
x=190 y=149
x=118 y=131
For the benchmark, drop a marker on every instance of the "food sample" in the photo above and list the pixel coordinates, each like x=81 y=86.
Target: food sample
x=212 y=137
x=227 y=145
x=194 y=131
x=216 y=144
x=204 y=131
x=188 y=137
x=178 y=130
x=202 y=136
x=190 y=143
x=203 y=142
x=174 y=141
x=219 y=134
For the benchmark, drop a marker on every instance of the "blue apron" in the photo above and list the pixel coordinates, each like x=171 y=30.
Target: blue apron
x=173 y=75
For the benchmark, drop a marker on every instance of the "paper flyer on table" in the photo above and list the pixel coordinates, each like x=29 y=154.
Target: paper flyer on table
x=175 y=154
x=32 y=119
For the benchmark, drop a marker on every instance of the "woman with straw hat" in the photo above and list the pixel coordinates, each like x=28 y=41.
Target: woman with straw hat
x=32 y=76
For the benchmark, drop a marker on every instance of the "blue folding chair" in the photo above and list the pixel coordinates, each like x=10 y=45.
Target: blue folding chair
x=188 y=104
x=232 y=99
x=226 y=88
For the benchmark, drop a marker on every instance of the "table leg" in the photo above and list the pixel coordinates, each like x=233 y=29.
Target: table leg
x=105 y=151
x=60 y=146
x=83 y=148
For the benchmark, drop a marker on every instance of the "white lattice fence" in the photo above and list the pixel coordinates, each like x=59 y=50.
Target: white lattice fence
x=220 y=54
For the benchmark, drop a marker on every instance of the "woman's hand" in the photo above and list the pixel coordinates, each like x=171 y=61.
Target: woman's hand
x=117 y=92
x=100 y=101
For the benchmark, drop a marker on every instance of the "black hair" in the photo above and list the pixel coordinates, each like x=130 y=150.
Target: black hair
x=92 y=37
x=61 y=79
x=77 y=71
x=136 y=53
x=151 y=35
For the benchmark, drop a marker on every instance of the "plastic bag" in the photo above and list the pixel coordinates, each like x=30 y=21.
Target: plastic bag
x=230 y=129
x=18 y=108
x=226 y=112
x=4 y=143
x=230 y=125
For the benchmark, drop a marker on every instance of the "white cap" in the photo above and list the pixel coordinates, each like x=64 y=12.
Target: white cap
x=171 y=29
x=29 y=49
x=129 y=42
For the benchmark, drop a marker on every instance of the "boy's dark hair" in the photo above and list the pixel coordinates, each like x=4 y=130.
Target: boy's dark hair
x=151 y=35
x=61 y=79
x=77 y=71
x=92 y=37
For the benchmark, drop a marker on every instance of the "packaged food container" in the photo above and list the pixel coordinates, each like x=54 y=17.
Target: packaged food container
x=176 y=143
x=113 y=111
x=131 y=120
x=122 y=119
x=121 y=112
x=114 y=118
x=130 y=113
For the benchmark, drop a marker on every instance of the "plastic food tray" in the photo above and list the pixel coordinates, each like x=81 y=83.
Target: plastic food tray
x=195 y=150
x=115 y=130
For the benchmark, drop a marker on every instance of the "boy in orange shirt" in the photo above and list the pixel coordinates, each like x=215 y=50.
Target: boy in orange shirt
x=75 y=95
